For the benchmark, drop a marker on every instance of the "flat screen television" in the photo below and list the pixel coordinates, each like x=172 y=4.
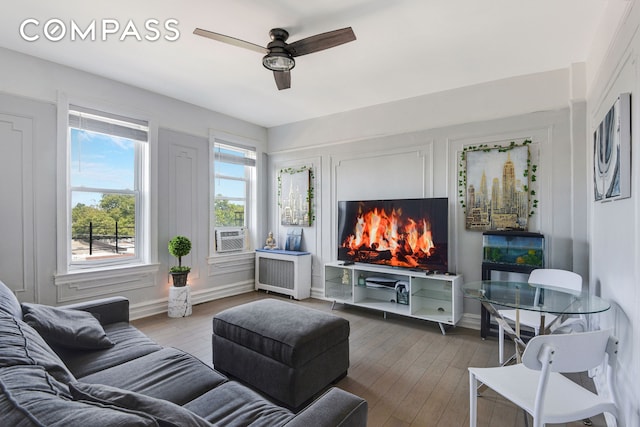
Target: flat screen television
x=405 y=233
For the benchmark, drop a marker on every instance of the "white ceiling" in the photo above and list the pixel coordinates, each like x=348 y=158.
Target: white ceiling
x=404 y=48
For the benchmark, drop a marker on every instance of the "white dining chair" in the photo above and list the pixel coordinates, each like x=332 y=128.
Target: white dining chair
x=561 y=279
x=538 y=386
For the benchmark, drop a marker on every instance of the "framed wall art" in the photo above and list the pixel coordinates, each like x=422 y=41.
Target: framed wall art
x=295 y=196
x=612 y=152
x=495 y=186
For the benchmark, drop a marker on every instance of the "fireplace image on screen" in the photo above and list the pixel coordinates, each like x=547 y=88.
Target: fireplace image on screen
x=407 y=233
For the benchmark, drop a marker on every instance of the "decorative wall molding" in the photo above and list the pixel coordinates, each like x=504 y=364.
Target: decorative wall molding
x=600 y=105
x=231 y=263
x=354 y=161
x=540 y=136
x=97 y=284
x=312 y=235
x=344 y=168
x=183 y=200
x=18 y=257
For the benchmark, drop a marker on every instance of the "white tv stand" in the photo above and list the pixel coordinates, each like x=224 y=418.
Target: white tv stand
x=434 y=297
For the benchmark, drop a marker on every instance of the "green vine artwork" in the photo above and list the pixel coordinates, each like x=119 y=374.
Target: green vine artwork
x=528 y=173
x=295 y=196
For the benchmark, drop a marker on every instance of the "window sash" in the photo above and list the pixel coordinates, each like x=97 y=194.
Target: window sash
x=119 y=127
x=110 y=229
x=239 y=155
x=245 y=155
x=108 y=124
x=233 y=159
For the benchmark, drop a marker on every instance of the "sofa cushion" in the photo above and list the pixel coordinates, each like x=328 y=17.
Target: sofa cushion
x=130 y=344
x=237 y=405
x=168 y=374
x=283 y=331
x=8 y=302
x=66 y=328
x=29 y=396
x=22 y=345
x=167 y=414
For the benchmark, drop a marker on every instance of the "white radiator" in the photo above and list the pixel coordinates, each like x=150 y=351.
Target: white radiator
x=276 y=272
x=284 y=272
x=230 y=239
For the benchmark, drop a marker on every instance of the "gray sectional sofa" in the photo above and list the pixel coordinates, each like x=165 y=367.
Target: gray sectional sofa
x=84 y=364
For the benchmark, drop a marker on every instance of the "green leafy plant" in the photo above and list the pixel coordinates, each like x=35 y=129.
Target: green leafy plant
x=179 y=246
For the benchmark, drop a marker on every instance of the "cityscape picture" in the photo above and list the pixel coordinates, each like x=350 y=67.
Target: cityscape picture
x=496 y=193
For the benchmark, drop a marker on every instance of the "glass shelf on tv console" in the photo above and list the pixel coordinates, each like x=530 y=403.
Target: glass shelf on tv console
x=436 y=298
x=441 y=295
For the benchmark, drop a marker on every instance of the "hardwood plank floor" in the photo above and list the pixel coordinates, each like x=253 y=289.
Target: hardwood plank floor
x=409 y=373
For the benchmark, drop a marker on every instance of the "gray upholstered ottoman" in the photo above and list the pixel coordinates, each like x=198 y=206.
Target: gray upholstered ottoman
x=289 y=352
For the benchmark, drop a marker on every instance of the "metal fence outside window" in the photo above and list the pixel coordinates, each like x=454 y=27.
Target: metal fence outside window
x=102 y=238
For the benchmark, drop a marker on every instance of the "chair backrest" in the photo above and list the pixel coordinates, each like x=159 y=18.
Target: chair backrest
x=576 y=352
x=562 y=280
x=557 y=278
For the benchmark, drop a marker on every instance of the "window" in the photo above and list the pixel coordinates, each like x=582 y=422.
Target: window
x=106 y=171
x=233 y=181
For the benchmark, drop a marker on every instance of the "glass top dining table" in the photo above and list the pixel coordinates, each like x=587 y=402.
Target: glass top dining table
x=543 y=299
x=534 y=297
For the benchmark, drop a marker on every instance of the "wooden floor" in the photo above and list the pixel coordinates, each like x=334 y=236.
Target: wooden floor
x=409 y=373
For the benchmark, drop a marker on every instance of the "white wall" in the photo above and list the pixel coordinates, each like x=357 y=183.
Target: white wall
x=503 y=98
x=29 y=90
x=411 y=149
x=614 y=227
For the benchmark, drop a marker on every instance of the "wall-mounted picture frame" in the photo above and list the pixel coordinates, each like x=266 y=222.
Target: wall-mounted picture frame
x=295 y=196
x=612 y=152
x=497 y=188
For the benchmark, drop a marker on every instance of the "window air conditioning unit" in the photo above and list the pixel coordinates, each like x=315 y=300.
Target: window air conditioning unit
x=230 y=239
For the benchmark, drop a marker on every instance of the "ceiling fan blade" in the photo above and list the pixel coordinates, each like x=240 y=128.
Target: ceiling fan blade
x=283 y=79
x=321 y=42
x=230 y=40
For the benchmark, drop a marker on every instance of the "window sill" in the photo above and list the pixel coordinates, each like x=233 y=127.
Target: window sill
x=81 y=275
x=231 y=262
x=215 y=258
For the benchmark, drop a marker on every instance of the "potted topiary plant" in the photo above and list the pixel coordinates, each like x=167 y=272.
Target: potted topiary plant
x=179 y=246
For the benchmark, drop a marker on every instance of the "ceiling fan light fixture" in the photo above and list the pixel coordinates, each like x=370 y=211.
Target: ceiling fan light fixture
x=279 y=54
x=276 y=61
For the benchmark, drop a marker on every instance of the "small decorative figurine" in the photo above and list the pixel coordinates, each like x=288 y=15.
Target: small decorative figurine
x=271 y=242
x=345 y=277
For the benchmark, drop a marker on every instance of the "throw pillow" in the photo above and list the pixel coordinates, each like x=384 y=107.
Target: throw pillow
x=166 y=414
x=8 y=302
x=29 y=396
x=66 y=328
x=23 y=345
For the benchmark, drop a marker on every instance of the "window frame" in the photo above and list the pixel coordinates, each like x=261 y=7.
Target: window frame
x=250 y=200
x=142 y=193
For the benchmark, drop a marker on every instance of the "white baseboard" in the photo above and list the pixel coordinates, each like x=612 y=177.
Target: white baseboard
x=317 y=293
x=159 y=306
x=470 y=321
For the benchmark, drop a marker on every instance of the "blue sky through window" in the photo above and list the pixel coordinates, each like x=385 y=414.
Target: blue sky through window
x=232 y=188
x=100 y=161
